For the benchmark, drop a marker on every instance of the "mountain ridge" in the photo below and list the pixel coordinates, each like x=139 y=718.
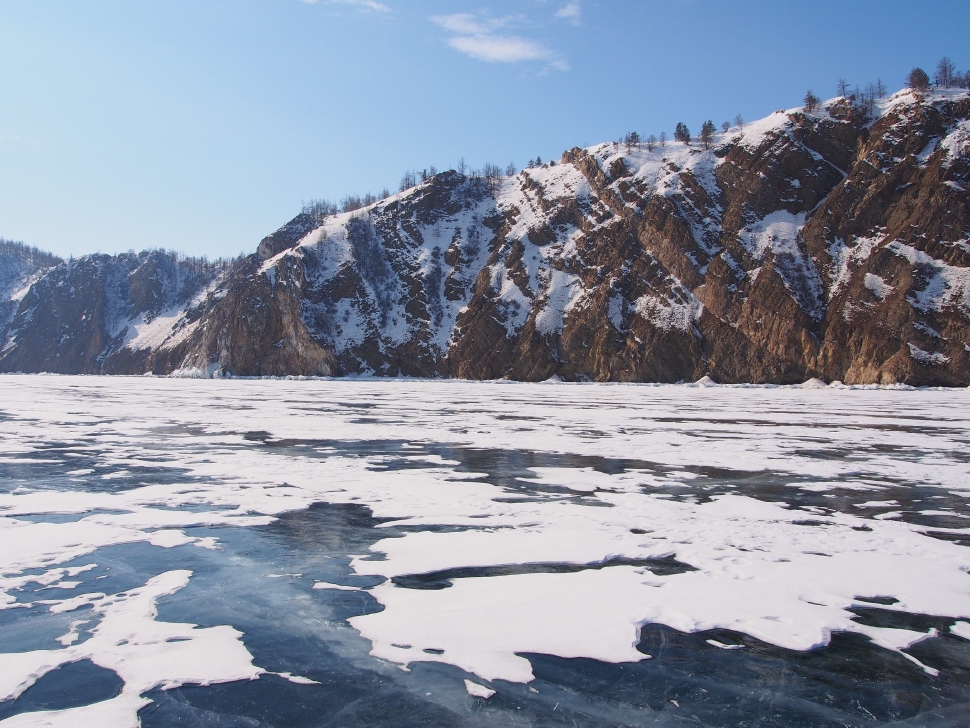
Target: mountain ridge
x=829 y=244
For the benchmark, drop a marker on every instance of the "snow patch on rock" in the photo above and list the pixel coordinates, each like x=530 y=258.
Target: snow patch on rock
x=673 y=312
x=877 y=286
x=564 y=292
x=947 y=286
x=925 y=357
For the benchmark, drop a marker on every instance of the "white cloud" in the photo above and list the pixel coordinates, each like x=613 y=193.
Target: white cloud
x=366 y=5
x=499 y=48
x=475 y=36
x=468 y=24
x=570 y=12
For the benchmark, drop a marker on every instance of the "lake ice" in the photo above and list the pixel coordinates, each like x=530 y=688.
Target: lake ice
x=392 y=553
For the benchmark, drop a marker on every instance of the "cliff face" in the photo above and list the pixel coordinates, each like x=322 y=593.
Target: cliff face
x=892 y=242
x=803 y=245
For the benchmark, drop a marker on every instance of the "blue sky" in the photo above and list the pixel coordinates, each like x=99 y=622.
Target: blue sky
x=201 y=125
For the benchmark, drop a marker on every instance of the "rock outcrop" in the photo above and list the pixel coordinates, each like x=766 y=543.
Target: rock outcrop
x=832 y=244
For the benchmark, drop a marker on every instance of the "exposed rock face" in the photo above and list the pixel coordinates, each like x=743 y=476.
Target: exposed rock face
x=803 y=245
x=252 y=324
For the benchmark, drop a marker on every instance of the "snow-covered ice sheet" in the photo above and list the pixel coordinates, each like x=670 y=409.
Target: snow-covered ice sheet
x=698 y=508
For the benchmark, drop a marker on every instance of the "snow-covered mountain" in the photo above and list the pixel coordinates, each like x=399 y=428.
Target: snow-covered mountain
x=109 y=314
x=831 y=244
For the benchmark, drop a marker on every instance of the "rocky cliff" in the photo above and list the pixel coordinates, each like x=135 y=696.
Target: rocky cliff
x=832 y=244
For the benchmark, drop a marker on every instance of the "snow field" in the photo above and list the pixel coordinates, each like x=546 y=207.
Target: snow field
x=782 y=574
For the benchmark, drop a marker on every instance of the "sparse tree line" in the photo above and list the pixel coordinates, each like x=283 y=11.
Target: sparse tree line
x=945 y=76
x=478 y=182
x=189 y=265
x=681 y=134
x=197 y=265
x=189 y=270
x=488 y=176
x=864 y=98
x=486 y=180
x=29 y=254
x=322 y=208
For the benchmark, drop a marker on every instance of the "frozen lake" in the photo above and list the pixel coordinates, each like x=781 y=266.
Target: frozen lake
x=402 y=553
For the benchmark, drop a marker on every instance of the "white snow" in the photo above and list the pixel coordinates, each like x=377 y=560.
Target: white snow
x=615 y=311
x=560 y=181
x=757 y=132
x=722 y=646
x=924 y=156
x=169 y=328
x=297 y=679
x=659 y=172
x=584 y=480
x=381 y=311
x=515 y=304
x=776 y=232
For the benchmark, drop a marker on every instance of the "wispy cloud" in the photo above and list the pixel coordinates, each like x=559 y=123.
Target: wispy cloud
x=365 y=5
x=468 y=24
x=479 y=36
x=499 y=48
x=571 y=12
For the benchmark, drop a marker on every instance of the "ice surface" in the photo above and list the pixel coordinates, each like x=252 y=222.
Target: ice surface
x=961 y=629
x=145 y=653
x=620 y=484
